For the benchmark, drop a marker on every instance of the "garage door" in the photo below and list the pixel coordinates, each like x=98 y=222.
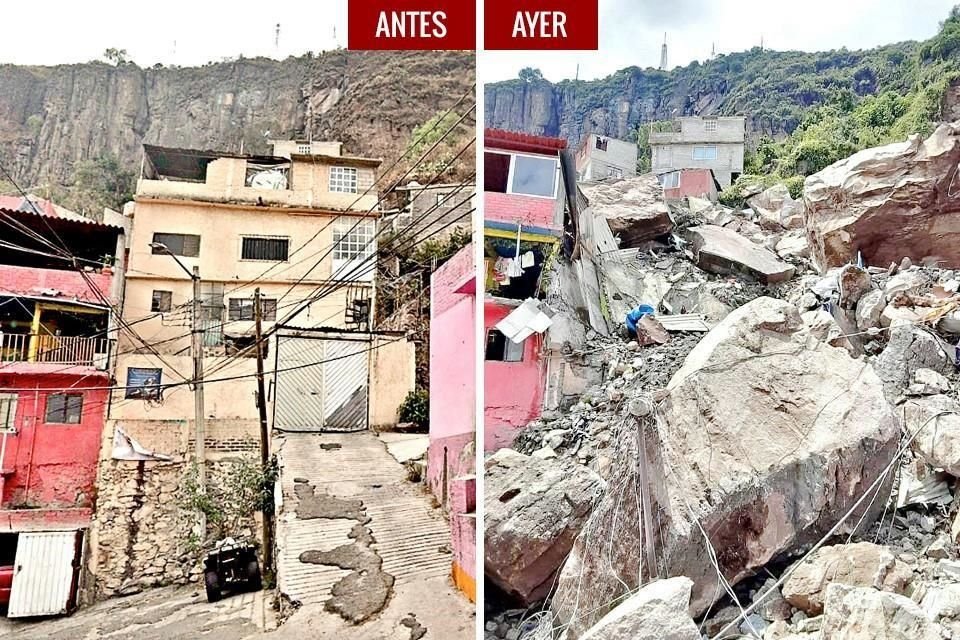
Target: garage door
x=321 y=384
x=45 y=573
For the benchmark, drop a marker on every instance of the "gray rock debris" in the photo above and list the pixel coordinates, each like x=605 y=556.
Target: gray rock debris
x=862 y=613
x=657 y=611
x=721 y=250
x=909 y=349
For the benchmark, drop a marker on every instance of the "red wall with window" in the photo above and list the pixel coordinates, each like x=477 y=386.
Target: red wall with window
x=52 y=465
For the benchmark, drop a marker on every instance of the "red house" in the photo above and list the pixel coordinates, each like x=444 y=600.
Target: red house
x=524 y=206
x=59 y=278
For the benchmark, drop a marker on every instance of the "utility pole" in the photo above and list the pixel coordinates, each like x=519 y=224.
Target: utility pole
x=198 y=413
x=264 y=431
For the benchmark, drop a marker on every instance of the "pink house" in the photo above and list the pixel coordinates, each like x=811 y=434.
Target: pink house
x=523 y=221
x=450 y=458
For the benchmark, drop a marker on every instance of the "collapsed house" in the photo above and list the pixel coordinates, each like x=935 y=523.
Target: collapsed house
x=782 y=464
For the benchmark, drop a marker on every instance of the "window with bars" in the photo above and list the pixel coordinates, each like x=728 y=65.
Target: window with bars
x=64 y=408
x=265 y=248
x=8 y=412
x=343 y=179
x=242 y=309
x=303 y=149
x=162 y=301
x=179 y=244
x=710 y=124
x=353 y=239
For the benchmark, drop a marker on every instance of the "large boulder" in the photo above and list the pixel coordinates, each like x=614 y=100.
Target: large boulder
x=659 y=610
x=860 y=565
x=765 y=439
x=888 y=202
x=534 y=509
x=776 y=209
x=722 y=250
x=862 y=613
x=633 y=208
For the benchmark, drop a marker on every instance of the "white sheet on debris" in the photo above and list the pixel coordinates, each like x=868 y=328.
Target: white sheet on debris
x=527 y=319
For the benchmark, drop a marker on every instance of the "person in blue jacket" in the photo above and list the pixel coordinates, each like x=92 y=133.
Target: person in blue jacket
x=633 y=318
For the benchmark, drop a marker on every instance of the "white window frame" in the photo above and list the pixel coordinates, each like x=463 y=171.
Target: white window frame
x=670 y=176
x=8 y=413
x=710 y=124
x=340 y=183
x=614 y=172
x=356 y=241
x=513 y=162
x=705 y=148
x=304 y=149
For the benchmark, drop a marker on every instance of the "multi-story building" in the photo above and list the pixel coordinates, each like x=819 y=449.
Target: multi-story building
x=702 y=142
x=524 y=208
x=450 y=458
x=600 y=157
x=302 y=230
x=433 y=211
x=60 y=284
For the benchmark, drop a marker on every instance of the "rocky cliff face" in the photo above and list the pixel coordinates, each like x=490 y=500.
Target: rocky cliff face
x=52 y=117
x=773 y=89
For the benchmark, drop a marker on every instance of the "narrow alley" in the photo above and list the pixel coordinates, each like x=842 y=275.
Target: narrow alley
x=359 y=548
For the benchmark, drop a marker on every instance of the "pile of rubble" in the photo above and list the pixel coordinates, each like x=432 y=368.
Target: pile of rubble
x=789 y=474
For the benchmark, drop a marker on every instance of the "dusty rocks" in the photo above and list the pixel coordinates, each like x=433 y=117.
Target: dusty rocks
x=795 y=432
x=862 y=613
x=908 y=350
x=886 y=203
x=633 y=207
x=534 y=510
x=776 y=209
x=658 y=610
x=939 y=441
x=721 y=250
x=860 y=565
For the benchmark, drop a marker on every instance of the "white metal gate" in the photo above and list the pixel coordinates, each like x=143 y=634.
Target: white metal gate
x=45 y=573
x=321 y=384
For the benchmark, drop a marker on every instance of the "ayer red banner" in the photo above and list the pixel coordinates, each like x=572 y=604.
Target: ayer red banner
x=541 y=24
x=411 y=24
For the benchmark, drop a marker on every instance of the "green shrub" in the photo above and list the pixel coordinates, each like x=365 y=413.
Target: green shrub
x=416 y=408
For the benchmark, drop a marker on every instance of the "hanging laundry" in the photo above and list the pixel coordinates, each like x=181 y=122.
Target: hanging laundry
x=527 y=260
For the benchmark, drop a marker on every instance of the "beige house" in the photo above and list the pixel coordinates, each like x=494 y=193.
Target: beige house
x=302 y=229
x=701 y=142
x=601 y=157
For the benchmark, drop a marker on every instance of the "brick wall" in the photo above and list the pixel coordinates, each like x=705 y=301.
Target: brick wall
x=529 y=210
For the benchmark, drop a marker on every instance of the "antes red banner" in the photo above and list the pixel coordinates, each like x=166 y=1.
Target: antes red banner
x=411 y=24
x=541 y=24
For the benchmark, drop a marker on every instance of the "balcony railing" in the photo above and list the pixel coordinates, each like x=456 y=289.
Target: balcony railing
x=68 y=350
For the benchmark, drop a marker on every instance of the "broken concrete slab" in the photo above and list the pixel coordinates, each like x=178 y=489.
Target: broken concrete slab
x=658 y=610
x=633 y=208
x=887 y=202
x=860 y=565
x=534 y=511
x=721 y=250
x=862 y=613
x=795 y=433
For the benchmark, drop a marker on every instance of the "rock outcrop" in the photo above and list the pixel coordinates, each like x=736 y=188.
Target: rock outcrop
x=633 y=208
x=534 y=509
x=888 y=202
x=763 y=442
